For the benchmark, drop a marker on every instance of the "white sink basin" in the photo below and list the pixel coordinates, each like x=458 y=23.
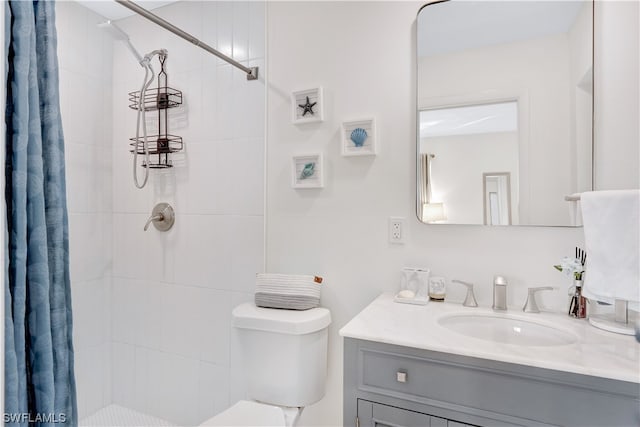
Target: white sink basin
x=507 y=329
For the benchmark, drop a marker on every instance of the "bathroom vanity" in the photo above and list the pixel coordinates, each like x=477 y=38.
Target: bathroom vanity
x=447 y=365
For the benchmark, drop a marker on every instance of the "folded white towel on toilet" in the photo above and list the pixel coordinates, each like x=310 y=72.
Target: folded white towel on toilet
x=287 y=291
x=612 y=239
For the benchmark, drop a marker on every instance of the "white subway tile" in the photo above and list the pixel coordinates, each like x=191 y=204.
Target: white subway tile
x=183 y=56
x=173 y=386
x=213 y=390
x=242 y=163
x=225 y=28
x=201 y=252
x=236 y=354
x=237 y=372
x=257 y=29
x=81 y=375
x=124 y=318
x=203 y=183
x=180 y=320
x=72 y=36
x=78 y=126
x=143 y=392
x=92 y=104
x=138 y=253
x=123 y=380
x=77 y=174
x=99 y=179
x=237 y=385
x=107 y=373
x=126 y=197
x=210 y=33
x=86 y=236
x=248 y=252
x=150 y=312
x=240 y=30
x=248 y=104
x=224 y=103
x=214 y=314
x=90 y=314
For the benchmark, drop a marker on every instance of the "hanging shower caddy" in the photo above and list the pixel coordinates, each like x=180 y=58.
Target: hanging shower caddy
x=158 y=99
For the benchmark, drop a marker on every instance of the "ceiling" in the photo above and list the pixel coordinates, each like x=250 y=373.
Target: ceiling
x=114 y=11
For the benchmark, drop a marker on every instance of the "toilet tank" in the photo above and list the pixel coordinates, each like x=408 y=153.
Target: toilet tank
x=284 y=353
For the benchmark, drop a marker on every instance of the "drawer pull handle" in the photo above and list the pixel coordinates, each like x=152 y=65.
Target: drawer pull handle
x=401 y=377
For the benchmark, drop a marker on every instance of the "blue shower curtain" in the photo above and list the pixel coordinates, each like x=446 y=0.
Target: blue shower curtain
x=39 y=378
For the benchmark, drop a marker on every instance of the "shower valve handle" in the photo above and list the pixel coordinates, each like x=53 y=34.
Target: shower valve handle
x=158 y=217
x=162 y=217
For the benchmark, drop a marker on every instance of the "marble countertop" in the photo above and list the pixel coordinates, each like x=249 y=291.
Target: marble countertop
x=596 y=352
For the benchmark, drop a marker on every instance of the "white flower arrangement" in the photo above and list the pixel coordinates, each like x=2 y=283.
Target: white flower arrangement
x=573 y=266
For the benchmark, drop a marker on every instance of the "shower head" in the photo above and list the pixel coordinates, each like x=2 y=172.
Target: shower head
x=118 y=34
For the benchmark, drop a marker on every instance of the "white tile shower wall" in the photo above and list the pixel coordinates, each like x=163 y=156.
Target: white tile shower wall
x=84 y=53
x=174 y=354
x=362 y=53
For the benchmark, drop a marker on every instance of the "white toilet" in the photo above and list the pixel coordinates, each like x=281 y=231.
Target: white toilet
x=285 y=358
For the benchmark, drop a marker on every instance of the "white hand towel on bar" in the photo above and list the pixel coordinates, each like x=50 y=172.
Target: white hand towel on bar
x=612 y=238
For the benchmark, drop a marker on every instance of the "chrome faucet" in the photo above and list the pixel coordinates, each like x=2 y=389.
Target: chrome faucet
x=470 y=299
x=531 y=306
x=499 y=293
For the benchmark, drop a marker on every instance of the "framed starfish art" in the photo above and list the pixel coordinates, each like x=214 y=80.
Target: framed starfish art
x=307 y=106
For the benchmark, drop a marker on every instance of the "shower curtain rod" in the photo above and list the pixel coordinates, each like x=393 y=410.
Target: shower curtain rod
x=252 y=72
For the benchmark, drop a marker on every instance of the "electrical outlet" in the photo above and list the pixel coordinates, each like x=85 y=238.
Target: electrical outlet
x=396 y=229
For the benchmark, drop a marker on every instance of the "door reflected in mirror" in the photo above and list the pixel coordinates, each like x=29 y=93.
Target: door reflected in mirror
x=497 y=198
x=505 y=105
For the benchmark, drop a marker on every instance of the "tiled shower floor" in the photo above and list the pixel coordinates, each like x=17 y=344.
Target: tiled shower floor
x=119 y=416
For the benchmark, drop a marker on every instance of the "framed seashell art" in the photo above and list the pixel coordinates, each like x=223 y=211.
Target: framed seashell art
x=306 y=171
x=307 y=106
x=359 y=138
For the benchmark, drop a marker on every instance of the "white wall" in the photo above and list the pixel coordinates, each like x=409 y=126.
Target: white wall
x=536 y=70
x=84 y=54
x=581 y=93
x=363 y=54
x=457 y=169
x=616 y=71
x=174 y=355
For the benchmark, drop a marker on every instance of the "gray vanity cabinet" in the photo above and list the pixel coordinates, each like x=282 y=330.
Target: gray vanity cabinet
x=389 y=385
x=379 y=415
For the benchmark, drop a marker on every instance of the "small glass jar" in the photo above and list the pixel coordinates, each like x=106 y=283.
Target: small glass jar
x=437 y=288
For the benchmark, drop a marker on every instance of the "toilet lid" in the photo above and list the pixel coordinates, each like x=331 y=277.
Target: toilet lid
x=245 y=413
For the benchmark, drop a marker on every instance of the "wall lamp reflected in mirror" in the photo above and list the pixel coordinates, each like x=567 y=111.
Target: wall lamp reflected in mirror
x=433 y=212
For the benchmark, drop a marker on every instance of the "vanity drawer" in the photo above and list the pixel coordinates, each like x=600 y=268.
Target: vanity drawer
x=402 y=375
x=492 y=392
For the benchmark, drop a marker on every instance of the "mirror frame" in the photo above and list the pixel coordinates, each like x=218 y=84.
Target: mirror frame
x=495 y=96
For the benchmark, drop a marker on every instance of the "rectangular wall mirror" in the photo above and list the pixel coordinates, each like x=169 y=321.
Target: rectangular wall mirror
x=505 y=111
